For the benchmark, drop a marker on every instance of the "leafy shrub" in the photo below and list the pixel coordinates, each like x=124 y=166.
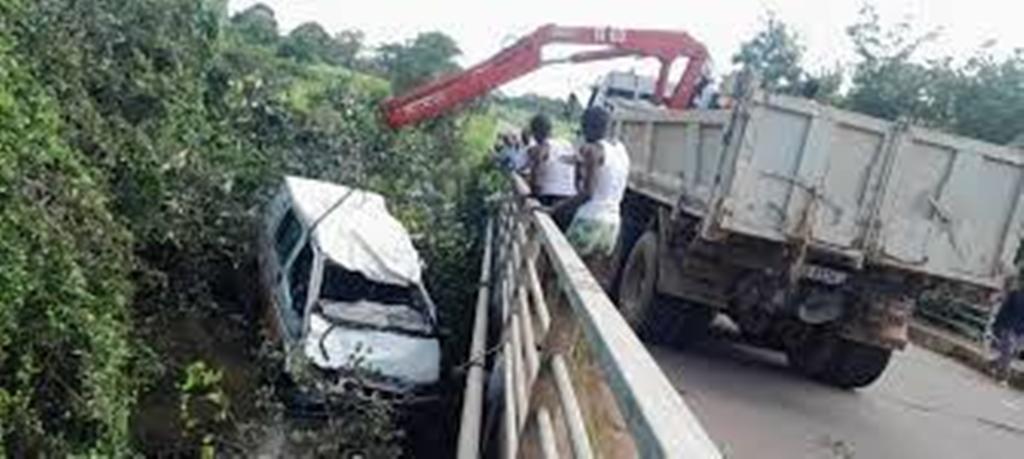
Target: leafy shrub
x=138 y=142
x=64 y=288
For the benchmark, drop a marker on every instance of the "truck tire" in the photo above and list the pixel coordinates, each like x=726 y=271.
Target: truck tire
x=656 y=318
x=838 y=361
x=636 y=293
x=857 y=365
x=636 y=216
x=690 y=322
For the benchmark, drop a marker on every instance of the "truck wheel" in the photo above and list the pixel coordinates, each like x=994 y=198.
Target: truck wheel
x=635 y=221
x=657 y=318
x=812 y=354
x=838 y=361
x=637 y=296
x=857 y=365
x=689 y=322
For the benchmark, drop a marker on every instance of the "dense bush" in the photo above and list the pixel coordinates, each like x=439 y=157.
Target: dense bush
x=64 y=287
x=138 y=140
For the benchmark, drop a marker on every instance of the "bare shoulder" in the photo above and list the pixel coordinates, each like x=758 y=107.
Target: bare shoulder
x=541 y=150
x=592 y=152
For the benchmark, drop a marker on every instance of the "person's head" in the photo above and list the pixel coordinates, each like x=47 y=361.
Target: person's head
x=525 y=136
x=540 y=127
x=595 y=124
x=505 y=140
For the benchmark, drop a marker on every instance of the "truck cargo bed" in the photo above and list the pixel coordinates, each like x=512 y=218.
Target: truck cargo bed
x=783 y=168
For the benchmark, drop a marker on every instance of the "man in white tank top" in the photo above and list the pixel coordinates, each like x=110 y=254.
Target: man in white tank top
x=603 y=169
x=552 y=170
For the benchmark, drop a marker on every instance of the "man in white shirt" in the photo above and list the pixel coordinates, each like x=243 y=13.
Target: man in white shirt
x=552 y=169
x=603 y=169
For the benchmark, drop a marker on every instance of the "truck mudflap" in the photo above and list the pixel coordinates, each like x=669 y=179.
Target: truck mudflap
x=882 y=323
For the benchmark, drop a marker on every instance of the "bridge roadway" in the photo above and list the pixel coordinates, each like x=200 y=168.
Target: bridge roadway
x=925 y=406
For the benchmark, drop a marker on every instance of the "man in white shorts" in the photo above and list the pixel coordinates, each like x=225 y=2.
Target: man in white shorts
x=603 y=169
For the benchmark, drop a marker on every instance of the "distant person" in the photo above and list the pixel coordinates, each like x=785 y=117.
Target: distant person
x=552 y=169
x=603 y=168
x=1008 y=329
x=703 y=94
x=525 y=139
x=509 y=153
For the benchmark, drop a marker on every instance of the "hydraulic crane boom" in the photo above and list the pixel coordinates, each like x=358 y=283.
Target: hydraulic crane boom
x=439 y=96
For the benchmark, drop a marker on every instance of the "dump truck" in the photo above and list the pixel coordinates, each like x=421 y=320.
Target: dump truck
x=814 y=229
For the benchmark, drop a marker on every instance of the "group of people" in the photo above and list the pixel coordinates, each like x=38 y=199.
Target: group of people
x=582 y=187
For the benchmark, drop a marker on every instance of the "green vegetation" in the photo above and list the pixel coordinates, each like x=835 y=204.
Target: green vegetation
x=138 y=140
x=982 y=97
x=515 y=112
x=418 y=60
x=774 y=53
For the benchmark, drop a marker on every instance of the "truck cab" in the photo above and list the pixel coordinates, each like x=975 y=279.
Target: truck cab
x=622 y=87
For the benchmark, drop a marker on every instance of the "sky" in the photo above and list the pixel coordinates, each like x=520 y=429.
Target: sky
x=483 y=27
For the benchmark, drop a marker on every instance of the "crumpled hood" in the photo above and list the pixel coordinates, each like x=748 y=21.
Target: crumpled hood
x=411 y=359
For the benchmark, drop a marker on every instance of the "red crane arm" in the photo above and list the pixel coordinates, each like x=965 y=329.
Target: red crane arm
x=441 y=95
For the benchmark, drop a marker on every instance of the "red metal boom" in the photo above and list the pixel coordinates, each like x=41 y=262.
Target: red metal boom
x=439 y=96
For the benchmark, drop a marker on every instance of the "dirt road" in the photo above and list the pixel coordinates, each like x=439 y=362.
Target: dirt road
x=925 y=406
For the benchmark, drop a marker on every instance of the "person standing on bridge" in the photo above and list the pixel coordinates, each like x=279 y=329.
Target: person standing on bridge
x=602 y=171
x=509 y=153
x=552 y=170
x=1008 y=329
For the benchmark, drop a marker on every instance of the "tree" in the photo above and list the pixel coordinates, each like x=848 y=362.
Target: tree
x=824 y=86
x=989 y=98
x=310 y=43
x=307 y=43
x=257 y=24
x=345 y=48
x=536 y=103
x=888 y=82
x=774 y=53
x=982 y=98
x=417 y=61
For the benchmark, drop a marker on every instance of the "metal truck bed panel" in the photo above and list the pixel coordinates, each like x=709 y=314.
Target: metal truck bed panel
x=673 y=154
x=951 y=207
x=786 y=168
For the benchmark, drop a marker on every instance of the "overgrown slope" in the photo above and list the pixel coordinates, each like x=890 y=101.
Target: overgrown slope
x=64 y=287
x=138 y=140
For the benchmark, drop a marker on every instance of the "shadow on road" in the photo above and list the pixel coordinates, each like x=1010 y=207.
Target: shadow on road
x=726 y=353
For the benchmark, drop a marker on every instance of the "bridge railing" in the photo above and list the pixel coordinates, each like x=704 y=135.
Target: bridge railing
x=573 y=378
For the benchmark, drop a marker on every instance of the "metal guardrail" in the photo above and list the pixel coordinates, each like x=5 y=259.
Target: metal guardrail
x=964 y=319
x=575 y=380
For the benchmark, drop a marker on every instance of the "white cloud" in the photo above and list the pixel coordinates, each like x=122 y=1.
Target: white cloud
x=483 y=27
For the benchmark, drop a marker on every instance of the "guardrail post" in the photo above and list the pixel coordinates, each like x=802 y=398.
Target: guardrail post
x=472 y=399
